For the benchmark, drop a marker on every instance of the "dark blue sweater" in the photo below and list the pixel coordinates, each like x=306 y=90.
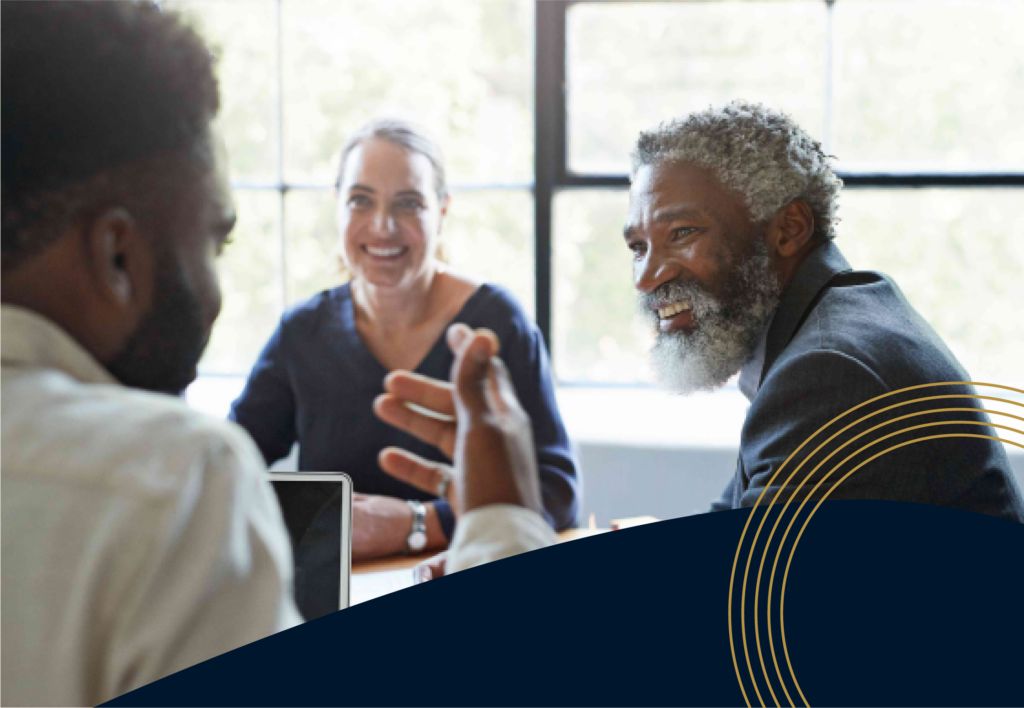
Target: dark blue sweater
x=315 y=381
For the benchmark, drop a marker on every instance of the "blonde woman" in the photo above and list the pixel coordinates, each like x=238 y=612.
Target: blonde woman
x=316 y=378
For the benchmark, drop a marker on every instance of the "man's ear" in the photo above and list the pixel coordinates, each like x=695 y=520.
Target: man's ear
x=120 y=259
x=791 y=229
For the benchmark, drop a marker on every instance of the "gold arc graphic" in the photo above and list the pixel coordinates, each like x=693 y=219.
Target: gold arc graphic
x=789 y=560
x=758 y=502
x=804 y=501
x=810 y=475
x=793 y=473
x=796 y=514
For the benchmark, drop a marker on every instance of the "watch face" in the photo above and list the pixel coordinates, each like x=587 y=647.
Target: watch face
x=417 y=541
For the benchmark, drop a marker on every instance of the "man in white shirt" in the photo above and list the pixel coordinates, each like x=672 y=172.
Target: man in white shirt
x=139 y=537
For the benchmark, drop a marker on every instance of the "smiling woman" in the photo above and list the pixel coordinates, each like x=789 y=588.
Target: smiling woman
x=392 y=199
x=318 y=375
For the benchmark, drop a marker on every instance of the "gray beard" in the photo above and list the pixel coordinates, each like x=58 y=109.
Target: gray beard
x=728 y=329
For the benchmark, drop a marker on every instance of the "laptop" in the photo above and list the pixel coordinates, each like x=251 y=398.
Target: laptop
x=317 y=510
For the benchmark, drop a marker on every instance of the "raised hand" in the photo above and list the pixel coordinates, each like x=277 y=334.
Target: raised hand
x=477 y=420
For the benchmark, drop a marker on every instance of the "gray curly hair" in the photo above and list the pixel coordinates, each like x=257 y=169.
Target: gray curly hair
x=759 y=153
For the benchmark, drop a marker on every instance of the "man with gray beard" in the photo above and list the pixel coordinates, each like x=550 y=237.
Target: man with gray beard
x=731 y=224
x=689 y=360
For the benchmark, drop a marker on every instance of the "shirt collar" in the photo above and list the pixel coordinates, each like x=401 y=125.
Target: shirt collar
x=811 y=277
x=750 y=374
x=29 y=340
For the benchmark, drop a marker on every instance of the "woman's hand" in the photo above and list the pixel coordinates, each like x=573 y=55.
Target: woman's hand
x=381 y=526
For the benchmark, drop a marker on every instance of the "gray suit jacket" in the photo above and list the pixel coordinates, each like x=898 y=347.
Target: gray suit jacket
x=839 y=338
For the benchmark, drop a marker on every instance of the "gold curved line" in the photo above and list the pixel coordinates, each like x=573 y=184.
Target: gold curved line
x=782 y=541
x=804 y=501
x=746 y=525
x=796 y=542
x=757 y=502
x=764 y=517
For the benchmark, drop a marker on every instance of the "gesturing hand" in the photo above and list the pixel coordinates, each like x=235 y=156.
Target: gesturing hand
x=476 y=419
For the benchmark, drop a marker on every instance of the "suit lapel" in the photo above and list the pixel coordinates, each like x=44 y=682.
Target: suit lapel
x=819 y=267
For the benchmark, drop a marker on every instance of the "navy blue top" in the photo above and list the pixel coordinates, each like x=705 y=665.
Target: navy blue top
x=315 y=381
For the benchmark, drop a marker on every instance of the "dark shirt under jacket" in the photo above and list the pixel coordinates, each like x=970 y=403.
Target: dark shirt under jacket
x=839 y=338
x=315 y=381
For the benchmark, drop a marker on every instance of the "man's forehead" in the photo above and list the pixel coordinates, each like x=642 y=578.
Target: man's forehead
x=672 y=176
x=654 y=188
x=677 y=187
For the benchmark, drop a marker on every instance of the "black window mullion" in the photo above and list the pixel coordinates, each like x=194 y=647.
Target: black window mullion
x=549 y=143
x=850 y=179
x=282 y=189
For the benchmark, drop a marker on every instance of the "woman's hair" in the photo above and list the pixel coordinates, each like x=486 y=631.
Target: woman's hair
x=407 y=136
x=404 y=135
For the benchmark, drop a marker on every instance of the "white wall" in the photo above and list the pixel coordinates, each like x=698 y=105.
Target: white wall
x=642 y=451
x=625 y=480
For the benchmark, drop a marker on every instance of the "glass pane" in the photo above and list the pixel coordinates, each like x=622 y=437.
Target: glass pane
x=488 y=235
x=250 y=279
x=950 y=251
x=462 y=70
x=311 y=236
x=955 y=254
x=597 y=334
x=935 y=82
x=243 y=36
x=631 y=66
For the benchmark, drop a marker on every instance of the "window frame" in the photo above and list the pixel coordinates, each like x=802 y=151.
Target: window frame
x=552 y=173
x=551 y=157
x=281 y=186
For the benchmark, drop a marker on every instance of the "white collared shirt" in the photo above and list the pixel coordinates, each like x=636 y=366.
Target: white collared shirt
x=496 y=531
x=139 y=536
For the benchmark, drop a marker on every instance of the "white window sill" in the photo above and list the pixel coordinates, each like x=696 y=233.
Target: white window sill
x=628 y=416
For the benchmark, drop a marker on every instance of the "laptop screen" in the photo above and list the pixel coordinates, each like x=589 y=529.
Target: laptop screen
x=314 y=515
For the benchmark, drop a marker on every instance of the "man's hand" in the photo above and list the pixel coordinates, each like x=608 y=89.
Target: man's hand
x=430 y=569
x=490 y=436
x=421 y=406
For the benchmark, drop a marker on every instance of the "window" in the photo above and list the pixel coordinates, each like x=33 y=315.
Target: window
x=919 y=100
x=297 y=76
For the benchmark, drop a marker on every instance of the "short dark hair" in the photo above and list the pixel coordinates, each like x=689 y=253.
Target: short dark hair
x=95 y=95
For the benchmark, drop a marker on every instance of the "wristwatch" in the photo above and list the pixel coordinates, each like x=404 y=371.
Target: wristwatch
x=416 y=541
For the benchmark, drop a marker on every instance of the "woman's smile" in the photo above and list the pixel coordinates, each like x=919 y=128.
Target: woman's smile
x=385 y=253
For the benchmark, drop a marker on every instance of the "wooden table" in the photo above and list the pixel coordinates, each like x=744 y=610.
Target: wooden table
x=400 y=562
x=372 y=579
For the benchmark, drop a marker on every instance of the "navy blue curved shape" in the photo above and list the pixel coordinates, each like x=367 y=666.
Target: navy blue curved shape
x=887 y=604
